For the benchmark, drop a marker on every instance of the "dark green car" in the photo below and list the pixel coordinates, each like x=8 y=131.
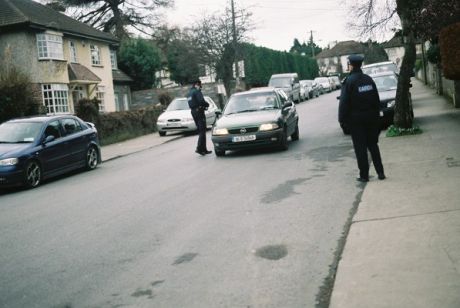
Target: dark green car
x=258 y=118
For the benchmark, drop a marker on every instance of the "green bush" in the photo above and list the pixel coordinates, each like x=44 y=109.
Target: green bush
x=118 y=126
x=88 y=109
x=394 y=131
x=17 y=97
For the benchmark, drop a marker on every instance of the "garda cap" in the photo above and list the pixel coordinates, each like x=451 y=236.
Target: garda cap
x=355 y=59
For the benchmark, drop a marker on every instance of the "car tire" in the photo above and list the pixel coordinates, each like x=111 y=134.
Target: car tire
x=219 y=153
x=162 y=134
x=284 y=145
x=32 y=174
x=295 y=135
x=92 y=158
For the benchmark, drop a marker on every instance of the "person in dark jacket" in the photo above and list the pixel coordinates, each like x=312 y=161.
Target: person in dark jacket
x=359 y=109
x=198 y=105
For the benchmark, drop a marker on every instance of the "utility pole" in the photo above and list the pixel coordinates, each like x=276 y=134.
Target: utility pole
x=235 y=44
x=312 y=44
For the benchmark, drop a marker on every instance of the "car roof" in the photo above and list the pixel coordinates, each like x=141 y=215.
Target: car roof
x=42 y=118
x=385 y=73
x=256 y=90
x=378 y=64
x=284 y=75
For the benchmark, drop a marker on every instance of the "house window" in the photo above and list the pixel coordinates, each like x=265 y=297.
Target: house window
x=55 y=98
x=100 y=94
x=95 y=55
x=113 y=59
x=50 y=46
x=73 y=52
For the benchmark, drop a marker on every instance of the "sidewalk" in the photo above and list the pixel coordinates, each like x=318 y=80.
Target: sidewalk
x=120 y=149
x=403 y=248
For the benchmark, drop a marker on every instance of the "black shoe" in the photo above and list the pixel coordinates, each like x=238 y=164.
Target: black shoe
x=382 y=176
x=207 y=152
x=200 y=152
x=360 y=179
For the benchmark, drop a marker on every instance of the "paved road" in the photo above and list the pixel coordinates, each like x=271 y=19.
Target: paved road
x=168 y=228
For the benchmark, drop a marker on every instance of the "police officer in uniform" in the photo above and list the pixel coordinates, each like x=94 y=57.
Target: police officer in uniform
x=359 y=109
x=198 y=105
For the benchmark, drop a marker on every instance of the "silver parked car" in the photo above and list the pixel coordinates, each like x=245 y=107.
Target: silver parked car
x=178 y=117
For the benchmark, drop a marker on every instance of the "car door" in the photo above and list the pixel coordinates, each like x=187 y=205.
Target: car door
x=289 y=116
x=54 y=154
x=76 y=139
x=211 y=112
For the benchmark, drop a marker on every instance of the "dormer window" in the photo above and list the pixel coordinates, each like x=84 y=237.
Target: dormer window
x=50 y=46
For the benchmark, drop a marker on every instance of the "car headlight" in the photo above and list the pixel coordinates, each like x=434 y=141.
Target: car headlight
x=9 y=162
x=161 y=121
x=268 y=126
x=391 y=104
x=219 y=131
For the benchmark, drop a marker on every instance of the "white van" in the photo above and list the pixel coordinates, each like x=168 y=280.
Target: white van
x=289 y=83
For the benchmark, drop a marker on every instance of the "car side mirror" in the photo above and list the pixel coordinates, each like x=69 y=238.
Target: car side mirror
x=218 y=113
x=48 y=139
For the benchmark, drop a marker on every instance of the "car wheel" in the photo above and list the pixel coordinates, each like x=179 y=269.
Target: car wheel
x=284 y=145
x=162 y=133
x=219 y=152
x=92 y=158
x=32 y=174
x=295 y=135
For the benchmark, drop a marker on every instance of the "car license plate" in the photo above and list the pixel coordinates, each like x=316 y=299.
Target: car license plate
x=244 y=138
x=175 y=124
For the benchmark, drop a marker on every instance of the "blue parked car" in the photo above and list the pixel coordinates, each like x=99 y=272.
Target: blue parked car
x=36 y=148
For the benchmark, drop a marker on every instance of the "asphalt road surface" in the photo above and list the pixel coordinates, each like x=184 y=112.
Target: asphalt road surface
x=168 y=228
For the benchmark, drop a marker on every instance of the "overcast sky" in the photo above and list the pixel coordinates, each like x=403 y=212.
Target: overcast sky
x=278 y=22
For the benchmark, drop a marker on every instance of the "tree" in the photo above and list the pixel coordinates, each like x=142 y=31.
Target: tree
x=418 y=19
x=17 y=97
x=305 y=49
x=140 y=59
x=374 y=52
x=183 y=61
x=116 y=16
x=214 y=37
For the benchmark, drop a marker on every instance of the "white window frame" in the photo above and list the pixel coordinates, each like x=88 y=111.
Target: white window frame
x=100 y=95
x=50 y=46
x=73 y=52
x=95 y=55
x=113 y=59
x=56 y=98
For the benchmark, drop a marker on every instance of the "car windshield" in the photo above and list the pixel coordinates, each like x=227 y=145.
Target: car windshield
x=390 y=67
x=280 y=82
x=251 y=102
x=19 y=132
x=178 y=104
x=386 y=83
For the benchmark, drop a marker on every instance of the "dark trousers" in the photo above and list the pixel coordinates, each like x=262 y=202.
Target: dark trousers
x=365 y=136
x=200 y=122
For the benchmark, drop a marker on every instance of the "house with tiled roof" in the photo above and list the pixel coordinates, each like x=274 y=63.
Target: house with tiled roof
x=395 y=49
x=65 y=59
x=334 y=61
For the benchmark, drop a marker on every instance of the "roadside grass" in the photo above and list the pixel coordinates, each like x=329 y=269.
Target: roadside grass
x=394 y=131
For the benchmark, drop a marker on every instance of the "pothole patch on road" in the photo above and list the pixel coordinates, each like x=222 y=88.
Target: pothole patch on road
x=283 y=191
x=272 y=252
x=188 y=257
